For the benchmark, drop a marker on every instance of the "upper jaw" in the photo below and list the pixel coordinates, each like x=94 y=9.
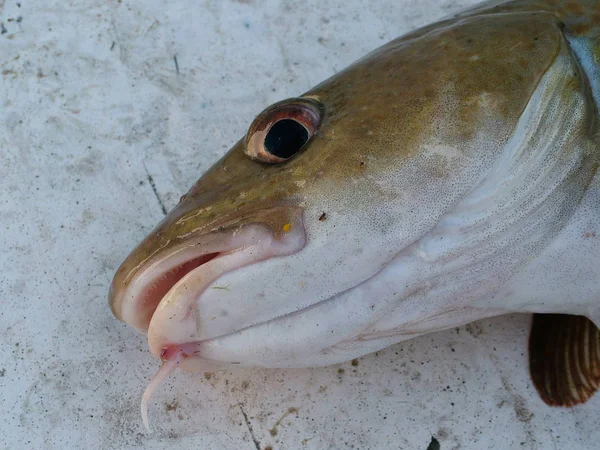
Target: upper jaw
x=134 y=301
x=160 y=298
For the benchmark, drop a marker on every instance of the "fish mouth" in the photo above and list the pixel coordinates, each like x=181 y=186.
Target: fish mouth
x=158 y=295
x=160 y=298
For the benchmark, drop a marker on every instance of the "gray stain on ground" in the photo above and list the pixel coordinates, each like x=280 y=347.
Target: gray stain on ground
x=122 y=422
x=522 y=413
x=89 y=164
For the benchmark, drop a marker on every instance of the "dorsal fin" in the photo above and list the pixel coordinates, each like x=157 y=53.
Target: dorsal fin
x=564 y=358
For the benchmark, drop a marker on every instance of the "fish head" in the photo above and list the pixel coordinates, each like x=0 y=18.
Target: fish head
x=278 y=225
x=267 y=260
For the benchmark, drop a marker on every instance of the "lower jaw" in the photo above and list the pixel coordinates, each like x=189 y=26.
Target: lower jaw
x=174 y=322
x=192 y=359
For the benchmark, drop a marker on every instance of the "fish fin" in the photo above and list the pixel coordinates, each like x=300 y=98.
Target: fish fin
x=594 y=316
x=564 y=358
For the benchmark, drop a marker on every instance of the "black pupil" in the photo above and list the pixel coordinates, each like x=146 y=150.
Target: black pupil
x=286 y=138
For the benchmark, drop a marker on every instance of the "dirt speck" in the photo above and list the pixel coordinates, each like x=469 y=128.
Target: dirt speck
x=474 y=329
x=172 y=406
x=323 y=217
x=291 y=410
x=305 y=441
x=355 y=362
x=2 y=372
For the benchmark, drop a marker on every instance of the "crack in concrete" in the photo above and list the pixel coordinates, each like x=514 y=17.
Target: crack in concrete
x=249 y=425
x=153 y=186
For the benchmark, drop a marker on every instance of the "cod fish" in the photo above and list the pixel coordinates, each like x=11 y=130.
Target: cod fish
x=449 y=176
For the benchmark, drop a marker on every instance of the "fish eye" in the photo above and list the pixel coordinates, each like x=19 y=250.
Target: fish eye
x=283 y=129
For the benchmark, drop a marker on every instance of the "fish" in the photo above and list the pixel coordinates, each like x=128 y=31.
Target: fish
x=448 y=176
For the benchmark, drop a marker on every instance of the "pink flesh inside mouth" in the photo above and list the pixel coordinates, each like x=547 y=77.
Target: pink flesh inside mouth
x=152 y=295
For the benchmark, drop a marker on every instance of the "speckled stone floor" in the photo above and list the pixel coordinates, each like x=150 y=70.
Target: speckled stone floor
x=110 y=111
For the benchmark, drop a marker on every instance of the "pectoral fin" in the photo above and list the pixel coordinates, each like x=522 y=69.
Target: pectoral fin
x=564 y=358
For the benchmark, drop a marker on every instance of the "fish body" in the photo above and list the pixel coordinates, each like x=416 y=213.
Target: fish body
x=448 y=176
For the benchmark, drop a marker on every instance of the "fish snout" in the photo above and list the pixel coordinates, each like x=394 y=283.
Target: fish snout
x=157 y=293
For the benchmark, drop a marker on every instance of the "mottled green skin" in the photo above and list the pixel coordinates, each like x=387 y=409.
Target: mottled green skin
x=580 y=17
x=377 y=114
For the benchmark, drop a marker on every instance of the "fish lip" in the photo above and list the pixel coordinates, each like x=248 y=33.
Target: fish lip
x=127 y=291
x=127 y=297
x=176 y=320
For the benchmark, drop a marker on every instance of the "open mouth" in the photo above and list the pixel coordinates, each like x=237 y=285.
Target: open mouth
x=191 y=267
x=160 y=295
x=150 y=297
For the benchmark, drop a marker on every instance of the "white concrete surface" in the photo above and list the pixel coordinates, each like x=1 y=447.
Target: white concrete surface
x=92 y=105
